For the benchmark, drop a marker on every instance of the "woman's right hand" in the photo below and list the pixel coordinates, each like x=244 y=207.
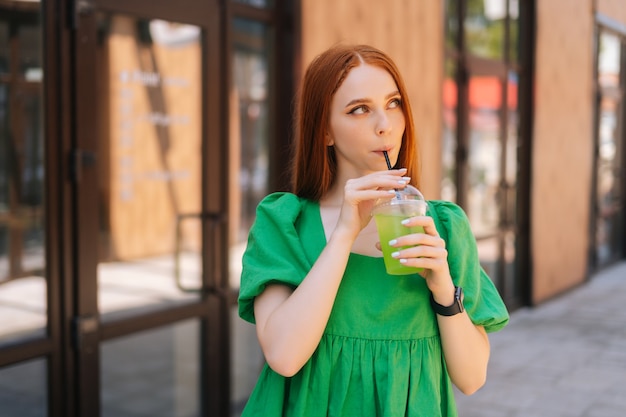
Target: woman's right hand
x=360 y=195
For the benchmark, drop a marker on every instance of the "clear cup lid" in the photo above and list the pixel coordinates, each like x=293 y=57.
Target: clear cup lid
x=407 y=195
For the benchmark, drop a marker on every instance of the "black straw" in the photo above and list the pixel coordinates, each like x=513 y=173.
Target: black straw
x=390 y=167
x=387 y=160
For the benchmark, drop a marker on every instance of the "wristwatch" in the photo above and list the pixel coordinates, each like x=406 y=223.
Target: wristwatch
x=455 y=308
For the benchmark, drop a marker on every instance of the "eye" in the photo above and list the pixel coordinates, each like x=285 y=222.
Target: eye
x=359 y=110
x=395 y=103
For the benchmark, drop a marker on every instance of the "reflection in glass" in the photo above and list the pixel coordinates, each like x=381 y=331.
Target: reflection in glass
x=4 y=46
x=609 y=163
x=249 y=172
x=256 y=3
x=23 y=304
x=154 y=373
x=452 y=24
x=514 y=40
x=150 y=164
x=510 y=288
x=512 y=144
x=485 y=150
x=24 y=389
x=247 y=361
x=30 y=54
x=609 y=60
x=489 y=254
x=250 y=133
x=512 y=128
x=484 y=27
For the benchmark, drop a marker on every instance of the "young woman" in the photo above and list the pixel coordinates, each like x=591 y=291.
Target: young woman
x=340 y=336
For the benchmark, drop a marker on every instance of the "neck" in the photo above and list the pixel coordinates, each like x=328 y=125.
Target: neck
x=334 y=196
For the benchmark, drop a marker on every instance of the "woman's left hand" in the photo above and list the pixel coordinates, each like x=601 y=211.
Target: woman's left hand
x=428 y=251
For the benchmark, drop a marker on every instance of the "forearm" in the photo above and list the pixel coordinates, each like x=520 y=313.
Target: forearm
x=465 y=346
x=466 y=351
x=293 y=323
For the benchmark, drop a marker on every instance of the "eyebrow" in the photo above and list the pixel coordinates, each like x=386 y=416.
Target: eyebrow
x=367 y=100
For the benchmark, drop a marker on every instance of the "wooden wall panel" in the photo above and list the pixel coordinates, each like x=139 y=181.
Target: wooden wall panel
x=615 y=9
x=562 y=155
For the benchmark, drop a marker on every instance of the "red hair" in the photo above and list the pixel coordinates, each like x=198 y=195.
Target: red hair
x=314 y=165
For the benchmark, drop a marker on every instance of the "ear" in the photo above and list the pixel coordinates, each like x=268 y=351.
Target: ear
x=329 y=140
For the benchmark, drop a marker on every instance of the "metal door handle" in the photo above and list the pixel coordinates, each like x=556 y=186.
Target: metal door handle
x=214 y=220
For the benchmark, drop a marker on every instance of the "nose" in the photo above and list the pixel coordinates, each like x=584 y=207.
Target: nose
x=383 y=124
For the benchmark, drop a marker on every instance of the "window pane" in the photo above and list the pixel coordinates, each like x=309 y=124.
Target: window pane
x=24 y=389
x=250 y=133
x=485 y=151
x=150 y=165
x=5 y=171
x=249 y=170
x=247 y=361
x=452 y=24
x=609 y=160
x=30 y=52
x=609 y=61
x=511 y=287
x=154 y=373
x=23 y=287
x=512 y=144
x=4 y=46
x=514 y=30
x=490 y=259
x=484 y=28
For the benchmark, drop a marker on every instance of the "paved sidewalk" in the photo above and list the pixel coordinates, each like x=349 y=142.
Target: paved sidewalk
x=564 y=358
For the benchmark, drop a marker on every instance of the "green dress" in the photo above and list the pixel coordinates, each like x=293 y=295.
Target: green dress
x=381 y=353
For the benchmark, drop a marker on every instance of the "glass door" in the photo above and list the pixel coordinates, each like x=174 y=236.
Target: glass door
x=608 y=208
x=151 y=311
x=484 y=138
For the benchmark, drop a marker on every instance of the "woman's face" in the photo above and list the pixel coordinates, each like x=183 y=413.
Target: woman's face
x=366 y=119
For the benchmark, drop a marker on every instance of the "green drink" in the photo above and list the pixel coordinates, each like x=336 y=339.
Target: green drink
x=389 y=228
x=388 y=216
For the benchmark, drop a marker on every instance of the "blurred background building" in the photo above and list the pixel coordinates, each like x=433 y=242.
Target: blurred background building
x=137 y=137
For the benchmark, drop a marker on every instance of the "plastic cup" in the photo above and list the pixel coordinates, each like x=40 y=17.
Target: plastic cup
x=388 y=215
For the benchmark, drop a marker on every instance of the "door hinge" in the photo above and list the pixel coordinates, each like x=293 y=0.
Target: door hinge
x=78 y=159
x=84 y=328
x=78 y=8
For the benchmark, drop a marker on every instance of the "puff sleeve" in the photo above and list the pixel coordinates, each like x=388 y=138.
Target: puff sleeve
x=274 y=253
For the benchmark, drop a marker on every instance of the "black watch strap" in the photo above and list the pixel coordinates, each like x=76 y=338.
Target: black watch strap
x=455 y=308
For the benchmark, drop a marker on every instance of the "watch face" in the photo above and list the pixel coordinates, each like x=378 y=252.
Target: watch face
x=459 y=296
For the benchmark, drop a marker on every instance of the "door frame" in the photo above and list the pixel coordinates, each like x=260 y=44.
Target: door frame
x=81 y=317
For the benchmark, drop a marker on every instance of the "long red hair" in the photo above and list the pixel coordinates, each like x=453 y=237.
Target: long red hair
x=314 y=164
